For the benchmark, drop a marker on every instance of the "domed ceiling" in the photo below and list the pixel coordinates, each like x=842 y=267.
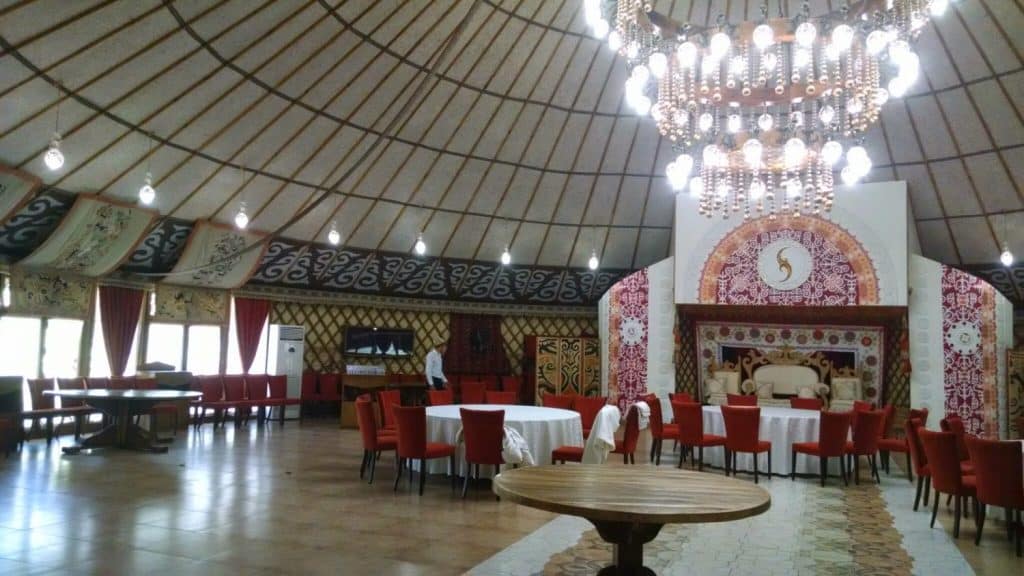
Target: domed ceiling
x=521 y=138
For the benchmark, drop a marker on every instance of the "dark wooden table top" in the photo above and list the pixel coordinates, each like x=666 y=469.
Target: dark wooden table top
x=632 y=493
x=100 y=393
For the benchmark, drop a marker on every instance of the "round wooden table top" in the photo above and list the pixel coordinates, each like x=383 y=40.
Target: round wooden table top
x=103 y=393
x=632 y=493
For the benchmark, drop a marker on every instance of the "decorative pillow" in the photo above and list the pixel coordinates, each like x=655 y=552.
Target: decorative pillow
x=764 y=389
x=805 y=391
x=730 y=380
x=715 y=387
x=845 y=388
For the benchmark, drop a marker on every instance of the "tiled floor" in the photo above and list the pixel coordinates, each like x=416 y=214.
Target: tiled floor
x=288 y=500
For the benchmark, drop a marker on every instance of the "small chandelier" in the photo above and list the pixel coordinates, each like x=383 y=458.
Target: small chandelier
x=763 y=113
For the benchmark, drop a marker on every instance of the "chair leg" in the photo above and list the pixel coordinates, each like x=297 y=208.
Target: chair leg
x=769 y=463
x=49 y=431
x=856 y=471
x=700 y=458
x=654 y=446
x=956 y=521
x=885 y=460
x=1020 y=529
x=927 y=488
x=792 y=465
x=409 y=462
x=373 y=465
x=625 y=458
x=935 y=511
x=842 y=470
x=823 y=465
x=451 y=471
x=362 y=465
x=657 y=454
x=979 y=518
x=874 y=468
x=465 y=482
x=423 y=474
x=910 y=471
x=756 y=458
x=398 y=472
x=1009 y=523
x=917 y=496
x=632 y=458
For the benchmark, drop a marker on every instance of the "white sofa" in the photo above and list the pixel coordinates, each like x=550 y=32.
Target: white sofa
x=785 y=380
x=723 y=380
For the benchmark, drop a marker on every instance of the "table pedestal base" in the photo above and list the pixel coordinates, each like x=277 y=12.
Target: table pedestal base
x=629 y=539
x=121 y=433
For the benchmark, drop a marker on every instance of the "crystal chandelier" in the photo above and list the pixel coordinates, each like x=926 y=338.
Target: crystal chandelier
x=763 y=113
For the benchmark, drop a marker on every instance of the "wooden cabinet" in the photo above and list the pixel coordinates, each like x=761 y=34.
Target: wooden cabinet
x=558 y=365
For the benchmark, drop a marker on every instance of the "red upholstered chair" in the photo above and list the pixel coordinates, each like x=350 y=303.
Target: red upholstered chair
x=588 y=407
x=684 y=397
x=858 y=407
x=256 y=392
x=473 y=392
x=234 y=397
x=385 y=400
x=374 y=442
x=327 y=390
x=805 y=403
x=80 y=409
x=563 y=401
x=865 y=441
x=919 y=461
x=833 y=427
x=483 y=431
x=278 y=396
x=742 y=430
x=121 y=382
x=97 y=383
x=627 y=445
x=944 y=464
x=659 y=429
x=955 y=424
x=999 y=477
x=890 y=443
x=42 y=406
x=741 y=400
x=412 y=444
x=689 y=417
x=496 y=397
x=307 y=393
x=166 y=408
x=213 y=399
x=919 y=414
x=512 y=384
x=440 y=397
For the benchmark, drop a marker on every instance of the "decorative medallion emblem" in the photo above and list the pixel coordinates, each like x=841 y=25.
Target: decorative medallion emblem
x=632 y=331
x=784 y=264
x=963 y=338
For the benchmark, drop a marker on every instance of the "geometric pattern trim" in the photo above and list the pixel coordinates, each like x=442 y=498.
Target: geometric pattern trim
x=23 y=232
x=789 y=261
x=1014 y=391
x=161 y=248
x=16 y=187
x=628 y=321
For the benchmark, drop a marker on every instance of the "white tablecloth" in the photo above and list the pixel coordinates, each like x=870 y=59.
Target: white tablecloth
x=780 y=426
x=544 y=429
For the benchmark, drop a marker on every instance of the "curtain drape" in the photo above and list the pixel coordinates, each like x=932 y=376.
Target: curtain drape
x=119 y=317
x=250 y=316
x=475 y=345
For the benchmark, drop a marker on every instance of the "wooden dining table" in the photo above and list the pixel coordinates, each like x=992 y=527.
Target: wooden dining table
x=629 y=504
x=120 y=406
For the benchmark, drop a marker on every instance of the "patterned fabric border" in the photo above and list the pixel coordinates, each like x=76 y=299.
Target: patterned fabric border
x=1014 y=391
x=50 y=294
x=627 y=334
x=191 y=305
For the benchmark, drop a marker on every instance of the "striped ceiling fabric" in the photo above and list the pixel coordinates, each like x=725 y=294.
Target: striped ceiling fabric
x=520 y=139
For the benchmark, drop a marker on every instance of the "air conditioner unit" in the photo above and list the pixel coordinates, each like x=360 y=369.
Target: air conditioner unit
x=287 y=347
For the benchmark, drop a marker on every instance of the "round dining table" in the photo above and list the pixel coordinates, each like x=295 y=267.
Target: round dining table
x=543 y=429
x=120 y=406
x=629 y=504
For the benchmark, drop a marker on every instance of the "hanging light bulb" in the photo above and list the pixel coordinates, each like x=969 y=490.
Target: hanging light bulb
x=764 y=36
x=831 y=152
x=794 y=188
x=910 y=67
x=938 y=8
x=420 y=247
x=147 y=193
x=334 y=237
x=826 y=114
x=897 y=87
x=849 y=176
x=881 y=97
x=801 y=58
x=854 y=106
x=600 y=29
x=1006 y=257
x=857 y=159
x=711 y=155
x=734 y=123
x=719 y=45
x=642 y=105
x=658 y=63
x=756 y=189
x=898 y=49
x=876 y=42
x=241 y=218
x=765 y=122
x=614 y=40
x=805 y=34
x=686 y=54
x=593 y=263
x=54 y=158
x=842 y=37
x=752 y=149
x=696 y=186
x=794 y=152
x=506 y=257
x=632 y=50
x=705 y=121
x=769 y=61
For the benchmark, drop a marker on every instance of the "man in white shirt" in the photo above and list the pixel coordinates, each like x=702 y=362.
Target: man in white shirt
x=434 y=370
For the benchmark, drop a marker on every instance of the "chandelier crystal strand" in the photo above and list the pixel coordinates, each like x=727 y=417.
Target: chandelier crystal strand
x=817 y=82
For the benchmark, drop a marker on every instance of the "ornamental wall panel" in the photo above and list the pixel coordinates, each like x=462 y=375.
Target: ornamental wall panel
x=217 y=256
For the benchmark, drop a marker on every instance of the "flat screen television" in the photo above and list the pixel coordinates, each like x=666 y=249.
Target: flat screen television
x=380 y=342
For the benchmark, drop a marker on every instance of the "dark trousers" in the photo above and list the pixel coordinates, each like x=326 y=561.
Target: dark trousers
x=437 y=383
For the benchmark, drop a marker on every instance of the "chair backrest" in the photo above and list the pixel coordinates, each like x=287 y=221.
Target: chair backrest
x=211 y=387
x=367 y=422
x=588 y=407
x=308 y=389
x=919 y=414
x=943 y=461
x=805 y=403
x=473 y=391
x=36 y=386
x=742 y=425
x=1020 y=426
x=412 y=430
x=328 y=385
x=917 y=455
x=955 y=424
x=483 y=431
x=680 y=397
x=278 y=385
x=867 y=431
x=440 y=397
x=71 y=384
x=998 y=468
x=563 y=401
x=121 y=382
x=256 y=386
x=833 y=428
x=495 y=397
x=655 y=421
x=145 y=383
x=97 y=383
x=386 y=399
x=887 y=420
x=861 y=406
x=689 y=416
x=632 y=432
x=741 y=399
x=234 y=387
x=11 y=394
x=512 y=384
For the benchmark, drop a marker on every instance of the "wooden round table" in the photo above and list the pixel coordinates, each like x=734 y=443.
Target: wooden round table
x=120 y=406
x=629 y=504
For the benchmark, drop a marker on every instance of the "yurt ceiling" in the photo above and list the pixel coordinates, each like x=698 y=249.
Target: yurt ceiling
x=520 y=138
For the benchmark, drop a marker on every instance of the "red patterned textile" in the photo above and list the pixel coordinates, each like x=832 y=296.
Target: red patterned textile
x=250 y=316
x=476 y=345
x=119 y=317
x=969 y=351
x=627 y=339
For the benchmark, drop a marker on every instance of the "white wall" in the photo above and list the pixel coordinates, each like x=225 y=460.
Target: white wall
x=925 y=322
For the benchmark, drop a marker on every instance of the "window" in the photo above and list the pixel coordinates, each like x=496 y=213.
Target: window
x=259 y=363
x=61 y=351
x=98 y=364
x=203 y=350
x=21 y=346
x=165 y=343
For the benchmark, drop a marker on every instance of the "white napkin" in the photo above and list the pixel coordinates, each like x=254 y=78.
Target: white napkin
x=514 y=448
x=643 y=413
x=602 y=436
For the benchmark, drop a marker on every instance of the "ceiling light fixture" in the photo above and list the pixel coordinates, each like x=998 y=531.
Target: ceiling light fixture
x=147 y=194
x=1006 y=257
x=420 y=247
x=506 y=257
x=593 y=263
x=771 y=102
x=334 y=237
x=241 y=218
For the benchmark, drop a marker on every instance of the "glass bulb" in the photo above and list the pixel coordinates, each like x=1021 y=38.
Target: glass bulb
x=794 y=152
x=769 y=61
x=876 y=42
x=705 y=121
x=805 y=34
x=642 y=105
x=710 y=155
x=684 y=163
x=736 y=66
x=600 y=29
x=796 y=118
x=857 y=160
x=656 y=114
x=632 y=50
x=826 y=114
x=719 y=45
x=241 y=219
x=593 y=263
x=849 y=176
x=832 y=52
x=801 y=58
x=722 y=189
x=676 y=178
x=881 y=96
x=614 y=40
x=734 y=123
x=764 y=36
x=53 y=158
x=147 y=194
x=897 y=87
x=333 y=236
x=756 y=189
x=854 y=106
x=687 y=54
x=898 y=49
x=658 y=63
x=641 y=74
x=794 y=189
x=696 y=186
x=938 y=8
x=910 y=66
x=752 y=150
x=420 y=247
x=1006 y=257
x=765 y=122
x=831 y=152
x=506 y=257
x=842 y=37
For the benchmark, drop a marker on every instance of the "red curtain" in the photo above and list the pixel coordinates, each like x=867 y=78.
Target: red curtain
x=250 y=316
x=119 y=317
x=475 y=345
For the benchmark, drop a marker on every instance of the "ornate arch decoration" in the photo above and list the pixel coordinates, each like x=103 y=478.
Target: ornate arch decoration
x=789 y=261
